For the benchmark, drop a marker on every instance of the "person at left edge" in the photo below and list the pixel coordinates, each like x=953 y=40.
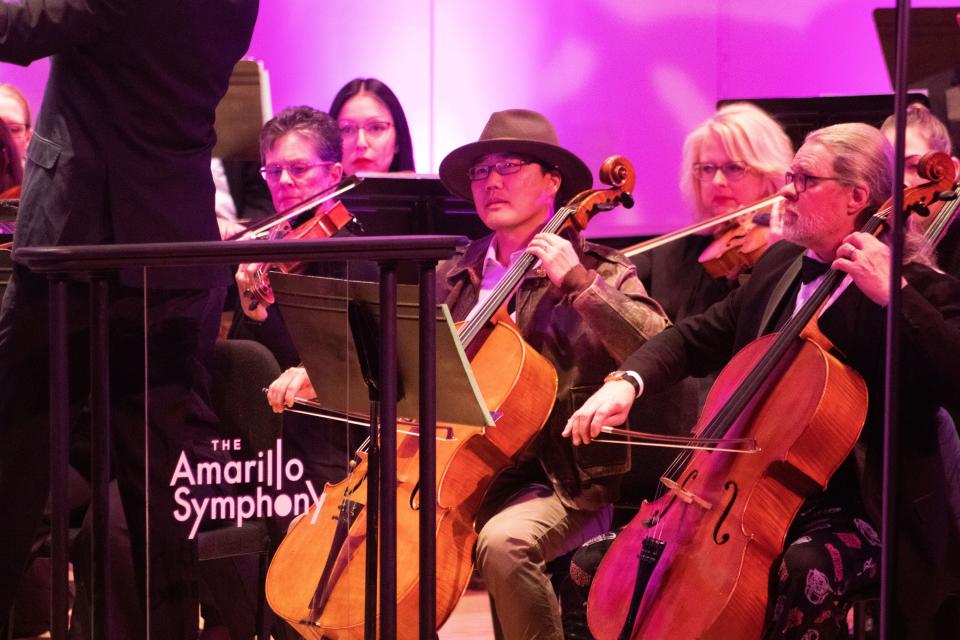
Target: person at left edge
x=120 y=154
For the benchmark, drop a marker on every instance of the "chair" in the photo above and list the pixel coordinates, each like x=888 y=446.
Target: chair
x=6 y=270
x=865 y=607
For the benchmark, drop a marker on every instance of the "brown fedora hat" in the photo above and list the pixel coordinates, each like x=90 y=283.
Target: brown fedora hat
x=525 y=133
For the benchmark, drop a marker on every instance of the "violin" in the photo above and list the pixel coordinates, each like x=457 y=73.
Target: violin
x=318 y=217
x=741 y=237
x=720 y=519
x=316 y=578
x=737 y=248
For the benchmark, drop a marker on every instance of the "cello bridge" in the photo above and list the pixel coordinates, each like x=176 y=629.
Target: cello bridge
x=684 y=495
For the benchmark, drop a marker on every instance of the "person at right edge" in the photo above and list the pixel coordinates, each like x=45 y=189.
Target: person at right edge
x=832 y=550
x=120 y=154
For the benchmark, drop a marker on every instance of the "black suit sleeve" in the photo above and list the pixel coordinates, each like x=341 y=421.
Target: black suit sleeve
x=34 y=29
x=931 y=330
x=697 y=345
x=930 y=333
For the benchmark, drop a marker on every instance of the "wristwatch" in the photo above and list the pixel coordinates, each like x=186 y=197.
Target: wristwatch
x=629 y=376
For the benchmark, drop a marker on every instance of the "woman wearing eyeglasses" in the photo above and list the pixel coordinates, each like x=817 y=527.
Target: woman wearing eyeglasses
x=373 y=126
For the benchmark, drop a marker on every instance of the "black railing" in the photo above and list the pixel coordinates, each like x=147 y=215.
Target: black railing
x=97 y=263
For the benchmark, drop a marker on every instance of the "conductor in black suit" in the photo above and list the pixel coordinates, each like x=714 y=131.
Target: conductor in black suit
x=839 y=176
x=120 y=154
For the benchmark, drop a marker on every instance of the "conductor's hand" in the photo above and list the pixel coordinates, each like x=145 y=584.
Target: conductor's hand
x=246 y=278
x=292 y=383
x=608 y=407
x=556 y=255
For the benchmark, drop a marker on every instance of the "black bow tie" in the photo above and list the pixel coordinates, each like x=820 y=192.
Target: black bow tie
x=811 y=269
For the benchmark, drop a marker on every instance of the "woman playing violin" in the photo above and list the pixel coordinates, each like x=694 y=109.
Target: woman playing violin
x=734 y=158
x=301 y=152
x=832 y=550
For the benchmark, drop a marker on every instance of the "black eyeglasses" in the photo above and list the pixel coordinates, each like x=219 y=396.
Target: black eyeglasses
x=297 y=170
x=801 y=180
x=504 y=168
x=373 y=129
x=733 y=170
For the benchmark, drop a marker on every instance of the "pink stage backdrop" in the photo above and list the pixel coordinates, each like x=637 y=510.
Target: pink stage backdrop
x=615 y=76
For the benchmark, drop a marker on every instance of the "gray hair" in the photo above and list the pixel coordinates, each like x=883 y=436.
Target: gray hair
x=316 y=126
x=862 y=156
x=16 y=94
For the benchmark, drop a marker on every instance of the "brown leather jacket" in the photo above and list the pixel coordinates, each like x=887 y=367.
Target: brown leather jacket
x=586 y=328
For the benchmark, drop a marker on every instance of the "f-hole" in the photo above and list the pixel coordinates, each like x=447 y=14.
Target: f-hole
x=414 y=503
x=350 y=490
x=733 y=498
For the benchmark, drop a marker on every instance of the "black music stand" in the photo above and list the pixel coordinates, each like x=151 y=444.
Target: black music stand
x=333 y=321
x=800 y=116
x=335 y=327
x=934 y=60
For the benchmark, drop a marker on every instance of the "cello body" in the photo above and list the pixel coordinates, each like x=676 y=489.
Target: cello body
x=316 y=578
x=726 y=522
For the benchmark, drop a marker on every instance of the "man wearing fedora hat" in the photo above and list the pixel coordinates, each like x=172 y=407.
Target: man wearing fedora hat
x=582 y=309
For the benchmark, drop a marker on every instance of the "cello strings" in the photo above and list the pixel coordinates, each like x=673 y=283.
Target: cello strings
x=761 y=372
x=509 y=282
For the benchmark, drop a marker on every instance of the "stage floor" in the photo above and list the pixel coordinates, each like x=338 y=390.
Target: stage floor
x=471 y=619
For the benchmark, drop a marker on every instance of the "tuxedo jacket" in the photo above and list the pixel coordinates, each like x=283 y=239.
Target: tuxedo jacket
x=930 y=346
x=121 y=148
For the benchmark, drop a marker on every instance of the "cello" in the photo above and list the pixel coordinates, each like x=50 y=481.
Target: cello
x=712 y=535
x=316 y=578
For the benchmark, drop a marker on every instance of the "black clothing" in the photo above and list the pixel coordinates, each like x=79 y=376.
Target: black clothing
x=675 y=278
x=120 y=153
x=931 y=348
x=121 y=148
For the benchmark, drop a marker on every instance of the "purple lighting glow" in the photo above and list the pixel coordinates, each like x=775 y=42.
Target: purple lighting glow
x=615 y=77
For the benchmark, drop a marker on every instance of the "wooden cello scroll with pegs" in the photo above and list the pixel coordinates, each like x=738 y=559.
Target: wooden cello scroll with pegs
x=695 y=562
x=316 y=578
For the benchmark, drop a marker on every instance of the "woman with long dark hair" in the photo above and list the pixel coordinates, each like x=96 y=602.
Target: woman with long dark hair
x=374 y=128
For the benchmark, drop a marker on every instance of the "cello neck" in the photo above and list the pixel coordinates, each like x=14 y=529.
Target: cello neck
x=942 y=220
x=785 y=342
x=508 y=284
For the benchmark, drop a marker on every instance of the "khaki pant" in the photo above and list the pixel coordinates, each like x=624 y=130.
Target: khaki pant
x=513 y=548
